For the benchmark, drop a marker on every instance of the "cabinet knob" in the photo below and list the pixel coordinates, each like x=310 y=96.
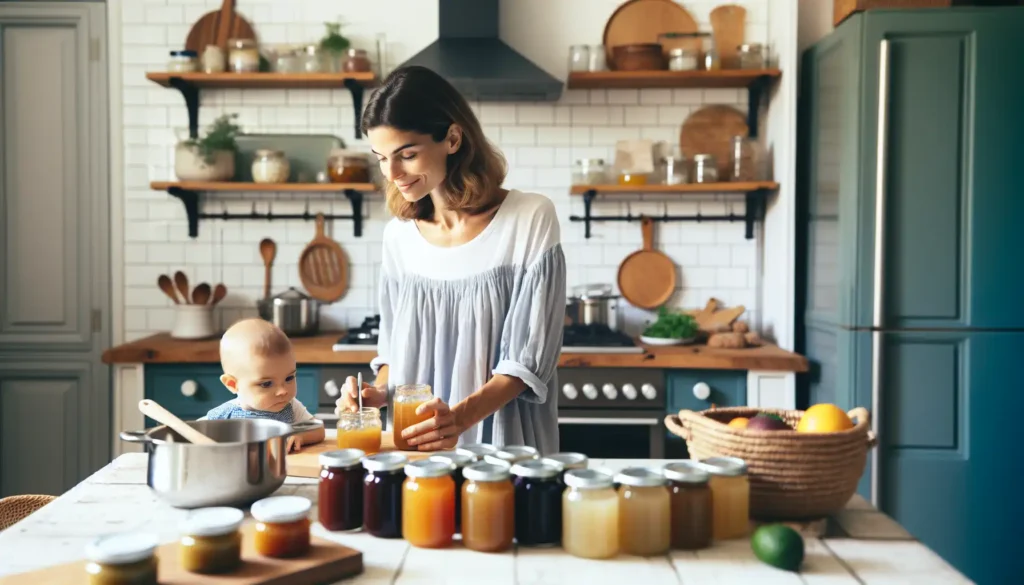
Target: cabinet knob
x=648 y=391
x=570 y=391
x=609 y=391
x=189 y=388
x=629 y=391
x=590 y=391
x=701 y=390
x=331 y=388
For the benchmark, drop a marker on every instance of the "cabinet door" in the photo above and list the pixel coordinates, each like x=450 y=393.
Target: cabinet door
x=726 y=388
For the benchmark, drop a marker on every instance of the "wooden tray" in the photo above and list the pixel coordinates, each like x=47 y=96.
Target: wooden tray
x=326 y=562
x=306 y=463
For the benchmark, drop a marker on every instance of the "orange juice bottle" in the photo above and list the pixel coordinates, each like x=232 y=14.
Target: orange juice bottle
x=408 y=397
x=360 y=430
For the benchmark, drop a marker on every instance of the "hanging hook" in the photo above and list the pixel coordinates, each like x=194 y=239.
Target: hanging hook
x=305 y=212
x=270 y=210
x=629 y=212
x=664 y=209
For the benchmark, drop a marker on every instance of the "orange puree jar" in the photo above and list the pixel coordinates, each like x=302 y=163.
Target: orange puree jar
x=488 y=507
x=408 y=397
x=282 y=526
x=428 y=504
x=360 y=430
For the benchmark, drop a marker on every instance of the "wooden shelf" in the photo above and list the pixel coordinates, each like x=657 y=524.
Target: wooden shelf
x=734 y=187
x=263 y=187
x=264 y=80
x=723 y=78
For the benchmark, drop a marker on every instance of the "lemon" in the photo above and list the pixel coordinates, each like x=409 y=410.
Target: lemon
x=740 y=422
x=824 y=418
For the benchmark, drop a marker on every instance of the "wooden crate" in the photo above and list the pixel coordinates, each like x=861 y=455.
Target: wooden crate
x=841 y=9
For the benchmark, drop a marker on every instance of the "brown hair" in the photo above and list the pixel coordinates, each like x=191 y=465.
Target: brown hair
x=415 y=99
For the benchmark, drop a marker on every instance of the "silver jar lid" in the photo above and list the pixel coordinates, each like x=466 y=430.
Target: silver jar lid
x=268 y=153
x=570 y=460
x=640 y=477
x=704 y=158
x=385 y=462
x=730 y=466
x=537 y=468
x=513 y=454
x=343 y=458
x=482 y=471
x=429 y=468
x=685 y=472
x=588 y=479
x=478 y=449
x=457 y=458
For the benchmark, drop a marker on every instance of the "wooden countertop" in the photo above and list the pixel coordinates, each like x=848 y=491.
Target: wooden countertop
x=162 y=349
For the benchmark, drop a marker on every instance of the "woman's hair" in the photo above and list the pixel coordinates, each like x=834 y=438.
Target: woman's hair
x=415 y=99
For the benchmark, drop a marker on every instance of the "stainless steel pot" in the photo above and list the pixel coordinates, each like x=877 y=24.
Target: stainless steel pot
x=593 y=305
x=295 y=313
x=247 y=463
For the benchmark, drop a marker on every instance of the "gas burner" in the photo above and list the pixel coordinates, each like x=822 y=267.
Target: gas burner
x=597 y=339
x=360 y=337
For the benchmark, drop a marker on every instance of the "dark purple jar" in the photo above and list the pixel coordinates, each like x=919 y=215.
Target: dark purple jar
x=538 y=502
x=382 y=494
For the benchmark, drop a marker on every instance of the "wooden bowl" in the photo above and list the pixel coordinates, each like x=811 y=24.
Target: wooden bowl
x=639 y=57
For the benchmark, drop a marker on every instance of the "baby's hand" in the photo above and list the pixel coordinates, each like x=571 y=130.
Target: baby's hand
x=294 y=444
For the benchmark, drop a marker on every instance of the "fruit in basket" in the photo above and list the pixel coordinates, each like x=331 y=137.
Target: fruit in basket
x=768 y=422
x=824 y=418
x=740 y=422
x=779 y=546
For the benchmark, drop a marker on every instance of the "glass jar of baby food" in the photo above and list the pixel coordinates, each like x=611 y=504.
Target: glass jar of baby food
x=488 y=506
x=270 y=166
x=458 y=459
x=282 y=526
x=382 y=494
x=408 y=397
x=730 y=497
x=340 y=491
x=210 y=541
x=690 y=498
x=512 y=454
x=122 y=559
x=243 y=56
x=428 y=503
x=538 y=502
x=479 y=450
x=590 y=515
x=360 y=430
x=644 y=512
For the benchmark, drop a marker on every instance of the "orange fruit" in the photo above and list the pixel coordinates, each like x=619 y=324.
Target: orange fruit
x=824 y=418
x=740 y=422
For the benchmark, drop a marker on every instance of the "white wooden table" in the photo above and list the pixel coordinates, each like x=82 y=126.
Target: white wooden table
x=874 y=549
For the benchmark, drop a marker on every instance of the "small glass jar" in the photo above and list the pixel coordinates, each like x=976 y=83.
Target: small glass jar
x=270 y=166
x=356 y=60
x=682 y=59
x=183 y=62
x=311 y=59
x=644 y=512
x=210 y=541
x=746 y=160
x=213 y=59
x=382 y=494
x=122 y=559
x=428 y=503
x=628 y=177
x=346 y=166
x=597 y=58
x=408 y=397
x=243 y=56
x=479 y=450
x=579 y=58
x=704 y=169
x=590 y=515
x=512 y=454
x=340 y=491
x=282 y=526
x=538 y=502
x=672 y=170
x=360 y=430
x=709 y=53
x=458 y=459
x=750 y=56
x=730 y=497
x=691 y=505
x=589 y=171
x=287 y=61
x=488 y=507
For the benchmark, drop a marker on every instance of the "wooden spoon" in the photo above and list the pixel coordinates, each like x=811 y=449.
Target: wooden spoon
x=163 y=416
x=268 y=250
x=201 y=295
x=165 y=284
x=181 y=281
x=219 y=292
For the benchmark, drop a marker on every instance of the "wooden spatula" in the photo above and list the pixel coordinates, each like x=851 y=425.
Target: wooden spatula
x=728 y=24
x=164 y=416
x=215 y=28
x=323 y=267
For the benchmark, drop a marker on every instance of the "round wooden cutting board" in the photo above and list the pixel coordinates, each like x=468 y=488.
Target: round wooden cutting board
x=641 y=21
x=647 y=277
x=709 y=130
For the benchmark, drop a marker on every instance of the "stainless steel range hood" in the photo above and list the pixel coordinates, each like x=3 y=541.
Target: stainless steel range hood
x=469 y=54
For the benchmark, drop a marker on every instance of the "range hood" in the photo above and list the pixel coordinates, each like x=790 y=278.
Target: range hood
x=472 y=57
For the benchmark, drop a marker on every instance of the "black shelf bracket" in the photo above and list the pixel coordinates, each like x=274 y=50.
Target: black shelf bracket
x=754 y=212
x=755 y=93
x=356 y=199
x=191 y=94
x=356 y=89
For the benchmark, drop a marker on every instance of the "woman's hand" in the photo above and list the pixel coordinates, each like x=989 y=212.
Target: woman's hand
x=372 y=396
x=440 y=431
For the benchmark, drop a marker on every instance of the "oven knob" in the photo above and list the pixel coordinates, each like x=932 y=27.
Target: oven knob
x=331 y=388
x=570 y=391
x=629 y=391
x=649 y=392
x=590 y=391
x=701 y=390
x=609 y=391
x=189 y=387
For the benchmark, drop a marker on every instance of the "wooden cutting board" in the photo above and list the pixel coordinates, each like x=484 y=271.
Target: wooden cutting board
x=306 y=463
x=217 y=27
x=710 y=130
x=327 y=562
x=642 y=21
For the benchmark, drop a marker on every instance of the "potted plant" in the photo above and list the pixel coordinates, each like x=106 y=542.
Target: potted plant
x=333 y=46
x=212 y=157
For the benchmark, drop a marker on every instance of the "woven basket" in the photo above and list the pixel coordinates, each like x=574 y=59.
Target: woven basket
x=793 y=476
x=14 y=509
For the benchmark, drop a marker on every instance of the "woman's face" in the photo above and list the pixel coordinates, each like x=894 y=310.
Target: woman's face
x=413 y=161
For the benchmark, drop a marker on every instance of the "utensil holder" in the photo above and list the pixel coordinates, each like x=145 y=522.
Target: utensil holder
x=193 y=322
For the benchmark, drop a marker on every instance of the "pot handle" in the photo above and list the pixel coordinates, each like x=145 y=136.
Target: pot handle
x=302 y=427
x=135 y=437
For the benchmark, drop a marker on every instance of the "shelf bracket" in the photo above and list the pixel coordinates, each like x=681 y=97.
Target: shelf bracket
x=755 y=206
x=588 y=200
x=356 y=199
x=191 y=94
x=755 y=92
x=190 y=199
x=356 y=89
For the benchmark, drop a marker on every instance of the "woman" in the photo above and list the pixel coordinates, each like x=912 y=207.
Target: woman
x=472 y=283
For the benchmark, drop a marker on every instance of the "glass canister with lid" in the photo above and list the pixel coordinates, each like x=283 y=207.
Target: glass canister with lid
x=356 y=60
x=347 y=166
x=183 y=61
x=747 y=161
x=683 y=59
x=690 y=498
x=704 y=169
x=590 y=514
x=750 y=56
x=340 y=491
x=488 y=503
x=270 y=166
x=243 y=56
x=730 y=497
x=589 y=171
x=644 y=511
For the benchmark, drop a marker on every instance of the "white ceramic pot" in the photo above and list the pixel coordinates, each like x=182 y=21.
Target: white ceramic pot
x=190 y=166
x=193 y=322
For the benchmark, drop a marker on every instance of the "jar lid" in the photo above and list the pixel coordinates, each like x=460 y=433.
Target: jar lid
x=537 y=468
x=704 y=157
x=429 y=468
x=357 y=52
x=458 y=458
x=588 y=479
x=388 y=461
x=212 y=521
x=590 y=161
x=514 y=453
x=570 y=460
x=121 y=548
x=685 y=472
x=277 y=509
x=640 y=477
x=478 y=449
x=732 y=466
x=343 y=458
x=749 y=47
x=681 y=52
x=268 y=152
x=483 y=471
x=184 y=53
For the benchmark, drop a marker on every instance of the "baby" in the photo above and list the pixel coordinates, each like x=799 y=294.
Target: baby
x=259 y=369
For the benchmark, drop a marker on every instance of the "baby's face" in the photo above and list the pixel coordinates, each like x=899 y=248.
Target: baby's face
x=267 y=383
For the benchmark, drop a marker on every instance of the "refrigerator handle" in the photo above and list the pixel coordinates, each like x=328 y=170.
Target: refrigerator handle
x=879 y=257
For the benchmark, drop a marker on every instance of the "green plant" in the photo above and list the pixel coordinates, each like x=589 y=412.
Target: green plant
x=672 y=325
x=220 y=135
x=333 y=41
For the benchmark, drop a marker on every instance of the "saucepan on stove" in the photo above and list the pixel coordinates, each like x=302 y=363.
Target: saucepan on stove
x=593 y=304
x=247 y=463
x=295 y=313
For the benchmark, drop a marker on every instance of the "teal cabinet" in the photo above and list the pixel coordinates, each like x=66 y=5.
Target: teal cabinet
x=725 y=388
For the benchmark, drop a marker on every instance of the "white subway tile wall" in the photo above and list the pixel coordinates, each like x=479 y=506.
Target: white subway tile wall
x=539 y=140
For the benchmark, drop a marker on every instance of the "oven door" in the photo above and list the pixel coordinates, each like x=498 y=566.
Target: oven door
x=602 y=434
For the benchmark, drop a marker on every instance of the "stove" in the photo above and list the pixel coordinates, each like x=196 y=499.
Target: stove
x=597 y=339
x=360 y=338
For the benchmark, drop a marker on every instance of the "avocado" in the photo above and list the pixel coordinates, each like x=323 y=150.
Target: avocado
x=767 y=422
x=778 y=545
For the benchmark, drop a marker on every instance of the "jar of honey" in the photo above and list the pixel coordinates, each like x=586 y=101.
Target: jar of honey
x=428 y=503
x=408 y=397
x=478 y=450
x=538 y=502
x=488 y=507
x=691 y=505
x=122 y=559
x=282 y=526
x=347 y=166
x=512 y=454
x=458 y=459
x=210 y=541
x=360 y=430
x=356 y=60
x=382 y=494
x=730 y=497
x=627 y=177
x=644 y=512
x=590 y=515
x=340 y=491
